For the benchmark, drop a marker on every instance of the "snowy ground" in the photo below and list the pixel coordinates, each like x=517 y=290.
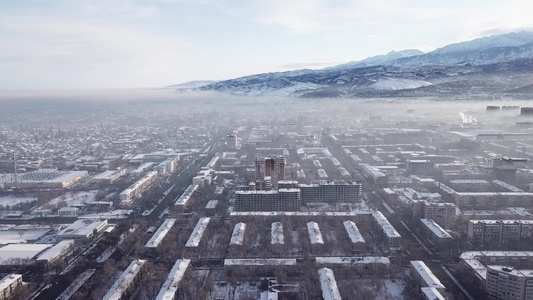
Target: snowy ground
x=72 y=198
x=11 y=201
x=378 y=289
x=242 y=290
x=20 y=236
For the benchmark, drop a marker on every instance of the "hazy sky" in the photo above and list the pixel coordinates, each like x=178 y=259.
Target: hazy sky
x=152 y=43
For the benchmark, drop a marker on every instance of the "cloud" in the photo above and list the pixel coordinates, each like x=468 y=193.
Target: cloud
x=123 y=8
x=319 y=63
x=73 y=52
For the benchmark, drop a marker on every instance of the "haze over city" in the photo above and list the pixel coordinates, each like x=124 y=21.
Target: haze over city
x=295 y=150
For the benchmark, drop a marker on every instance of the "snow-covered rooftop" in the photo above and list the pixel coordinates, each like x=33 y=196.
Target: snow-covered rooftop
x=353 y=232
x=352 y=260
x=21 y=251
x=260 y=262
x=55 y=251
x=315 y=236
x=182 y=200
x=237 y=236
x=330 y=291
x=277 y=233
x=198 y=232
x=212 y=204
x=300 y=213
x=8 y=280
x=124 y=281
x=471 y=259
x=382 y=221
x=82 y=227
x=425 y=273
x=170 y=286
x=18 y=237
x=437 y=230
x=432 y=293
x=139 y=182
x=160 y=234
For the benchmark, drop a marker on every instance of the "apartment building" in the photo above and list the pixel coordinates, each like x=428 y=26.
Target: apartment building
x=507 y=283
x=499 y=231
x=273 y=200
x=331 y=192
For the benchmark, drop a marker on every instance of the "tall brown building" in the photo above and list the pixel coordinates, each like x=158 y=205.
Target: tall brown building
x=270 y=168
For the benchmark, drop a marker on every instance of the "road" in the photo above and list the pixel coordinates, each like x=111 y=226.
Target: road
x=416 y=248
x=183 y=178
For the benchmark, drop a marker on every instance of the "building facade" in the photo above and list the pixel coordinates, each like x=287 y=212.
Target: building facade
x=273 y=167
x=499 y=231
x=507 y=283
x=273 y=200
x=331 y=192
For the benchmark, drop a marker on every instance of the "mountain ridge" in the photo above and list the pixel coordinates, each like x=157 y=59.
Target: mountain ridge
x=453 y=70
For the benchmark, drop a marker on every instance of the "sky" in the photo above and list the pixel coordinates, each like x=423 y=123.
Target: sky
x=93 y=44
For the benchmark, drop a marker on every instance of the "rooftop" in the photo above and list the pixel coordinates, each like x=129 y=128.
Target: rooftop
x=160 y=234
x=170 y=286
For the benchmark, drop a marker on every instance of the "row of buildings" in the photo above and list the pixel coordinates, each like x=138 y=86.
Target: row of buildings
x=291 y=199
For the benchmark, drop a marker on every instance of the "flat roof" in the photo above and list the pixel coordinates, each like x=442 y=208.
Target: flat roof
x=353 y=232
x=237 y=236
x=125 y=280
x=21 y=251
x=211 y=204
x=198 y=232
x=170 y=286
x=315 y=236
x=260 y=262
x=277 y=233
x=139 y=182
x=432 y=293
x=382 y=221
x=8 y=281
x=300 y=213
x=161 y=232
x=330 y=291
x=55 y=251
x=82 y=227
x=436 y=229
x=497 y=222
x=182 y=200
x=348 y=260
x=429 y=278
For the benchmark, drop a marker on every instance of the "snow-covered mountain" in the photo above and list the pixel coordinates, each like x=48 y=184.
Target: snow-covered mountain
x=378 y=59
x=491 y=66
x=513 y=39
x=191 y=84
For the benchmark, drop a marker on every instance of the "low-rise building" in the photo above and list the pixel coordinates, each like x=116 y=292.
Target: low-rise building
x=440 y=237
x=9 y=284
x=424 y=277
x=82 y=229
x=389 y=233
x=139 y=187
